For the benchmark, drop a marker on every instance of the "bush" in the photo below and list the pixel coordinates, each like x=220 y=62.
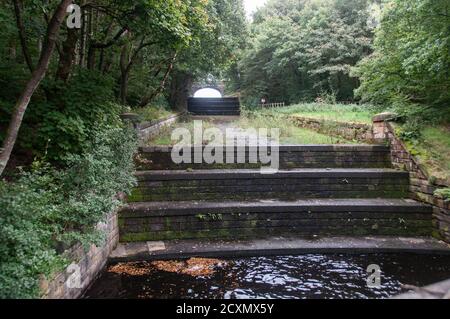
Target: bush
x=444 y=193
x=152 y=113
x=63 y=117
x=74 y=113
x=47 y=209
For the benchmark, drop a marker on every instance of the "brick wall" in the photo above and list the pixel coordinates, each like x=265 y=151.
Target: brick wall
x=87 y=265
x=422 y=187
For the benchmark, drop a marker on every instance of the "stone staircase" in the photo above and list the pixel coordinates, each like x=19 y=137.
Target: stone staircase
x=323 y=190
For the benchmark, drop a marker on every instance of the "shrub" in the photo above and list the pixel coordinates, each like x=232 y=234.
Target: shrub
x=46 y=209
x=74 y=113
x=63 y=117
x=444 y=193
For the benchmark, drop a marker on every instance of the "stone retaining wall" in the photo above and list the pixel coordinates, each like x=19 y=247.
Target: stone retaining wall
x=148 y=130
x=422 y=186
x=347 y=130
x=86 y=266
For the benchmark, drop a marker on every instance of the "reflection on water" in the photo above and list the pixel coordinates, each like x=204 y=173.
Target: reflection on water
x=288 y=277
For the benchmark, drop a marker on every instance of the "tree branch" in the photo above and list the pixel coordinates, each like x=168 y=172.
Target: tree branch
x=147 y=100
x=22 y=34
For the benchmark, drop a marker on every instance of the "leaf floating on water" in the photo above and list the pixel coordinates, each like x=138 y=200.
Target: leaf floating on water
x=132 y=269
x=196 y=267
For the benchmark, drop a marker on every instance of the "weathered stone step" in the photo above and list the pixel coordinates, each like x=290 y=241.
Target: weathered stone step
x=190 y=220
x=290 y=156
x=179 y=249
x=218 y=112
x=252 y=185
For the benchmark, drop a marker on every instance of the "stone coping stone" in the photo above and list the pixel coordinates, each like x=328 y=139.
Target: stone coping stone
x=256 y=174
x=179 y=249
x=349 y=124
x=383 y=117
x=153 y=209
x=146 y=125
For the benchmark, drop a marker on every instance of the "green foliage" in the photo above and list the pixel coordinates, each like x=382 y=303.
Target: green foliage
x=430 y=145
x=74 y=112
x=216 y=52
x=290 y=132
x=334 y=112
x=217 y=44
x=69 y=106
x=300 y=50
x=47 y=209
x=409 y=69
x=411 y=131
x=445 y=193
x=26 y=246
x=152 y=113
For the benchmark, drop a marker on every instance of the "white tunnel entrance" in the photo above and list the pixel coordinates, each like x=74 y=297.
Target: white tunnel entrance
x=207 y=93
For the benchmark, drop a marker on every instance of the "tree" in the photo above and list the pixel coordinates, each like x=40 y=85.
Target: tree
x=410 y=67
x=36 y=78
x=299 y=50
x=215 y=51
x=127 y=52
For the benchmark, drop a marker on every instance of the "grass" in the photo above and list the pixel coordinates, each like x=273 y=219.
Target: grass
x=165 y=137
x=433 y=150
x=336 y=112
x=289 y=132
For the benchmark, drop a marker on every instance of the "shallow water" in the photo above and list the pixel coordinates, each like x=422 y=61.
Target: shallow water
x=282 y=277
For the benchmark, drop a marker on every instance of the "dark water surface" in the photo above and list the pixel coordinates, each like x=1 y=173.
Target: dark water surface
x=287 y=277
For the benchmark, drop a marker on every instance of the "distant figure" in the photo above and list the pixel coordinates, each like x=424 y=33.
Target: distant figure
x=263 y=101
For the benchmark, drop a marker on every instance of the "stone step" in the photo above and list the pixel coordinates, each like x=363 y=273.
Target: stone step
x=250 y=184
x=217 y=112
x=290 y=156
x=235 y=219
x=291 y=245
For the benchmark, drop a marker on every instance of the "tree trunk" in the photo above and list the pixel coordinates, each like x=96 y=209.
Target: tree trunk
x=124 y=87
x=22 y=35
x=68 y=55
x=82 y=47
x=12 y=50
x=107 y=64
x=127 y=60
x=179 y=90
x=124 y=72
x=36 y=78
x=91 y=51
